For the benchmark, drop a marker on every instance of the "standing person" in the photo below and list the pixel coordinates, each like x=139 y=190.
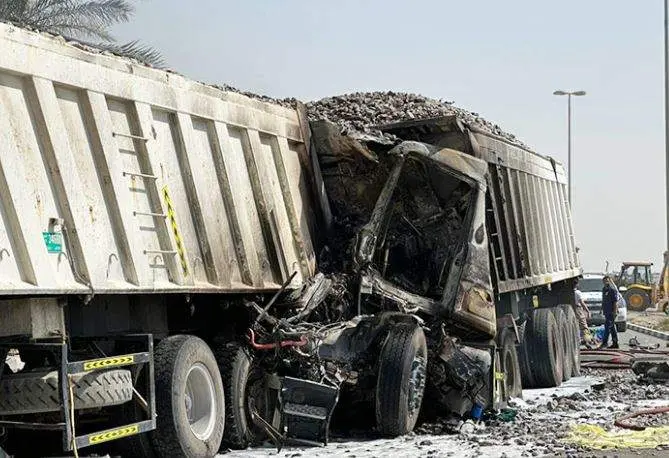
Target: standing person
x=610 y=310
x=582 y=312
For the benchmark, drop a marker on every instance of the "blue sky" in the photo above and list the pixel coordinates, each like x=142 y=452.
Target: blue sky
x=502 y=59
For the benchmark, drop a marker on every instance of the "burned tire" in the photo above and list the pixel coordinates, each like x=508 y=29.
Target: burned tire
x=545 y=352
x=245 y=389
x=564 y=328
x=637 y=299
x=189 y=399
x=510 y=365
x=526 y=376
x=575 y=354
x=38 y=392
x=401 y=380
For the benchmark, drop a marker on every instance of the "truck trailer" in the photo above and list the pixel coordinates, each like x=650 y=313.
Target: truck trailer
x=183 y=267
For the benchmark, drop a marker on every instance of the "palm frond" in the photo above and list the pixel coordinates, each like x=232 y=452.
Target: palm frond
x=90 y=19
x=136 y=50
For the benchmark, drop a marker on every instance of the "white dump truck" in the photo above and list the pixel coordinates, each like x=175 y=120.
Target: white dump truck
x=161 y=265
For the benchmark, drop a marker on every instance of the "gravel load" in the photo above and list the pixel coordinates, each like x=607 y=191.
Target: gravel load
x=362 y=111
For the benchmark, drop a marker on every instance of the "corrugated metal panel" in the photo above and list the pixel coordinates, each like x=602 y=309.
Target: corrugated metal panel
x=529 y=191
x=154 y=182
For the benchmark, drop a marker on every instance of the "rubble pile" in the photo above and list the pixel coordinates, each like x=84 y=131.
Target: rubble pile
x=541 y=427
x=362 y=111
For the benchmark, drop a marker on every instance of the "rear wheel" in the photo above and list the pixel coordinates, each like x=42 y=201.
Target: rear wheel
x=526 y=377
x=189 y=399
x=564 y=328
x=545 y=352
x=245 y=391
x=510 y=365
x=575 y=336
x=637 y=299
x=401 y=380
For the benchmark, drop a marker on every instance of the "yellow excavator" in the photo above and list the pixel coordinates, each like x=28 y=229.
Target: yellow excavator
x=662 y=302
x=636 y=285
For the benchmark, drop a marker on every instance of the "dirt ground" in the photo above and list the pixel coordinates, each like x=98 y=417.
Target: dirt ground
x=650 y=319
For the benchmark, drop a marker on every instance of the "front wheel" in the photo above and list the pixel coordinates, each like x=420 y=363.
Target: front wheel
x=189 y=399
x=401 y=380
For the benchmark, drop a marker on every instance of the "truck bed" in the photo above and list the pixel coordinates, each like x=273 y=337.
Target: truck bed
x=119 y=178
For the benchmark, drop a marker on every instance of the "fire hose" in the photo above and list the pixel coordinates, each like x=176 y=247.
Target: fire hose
x=271 y=346
x=622 y=421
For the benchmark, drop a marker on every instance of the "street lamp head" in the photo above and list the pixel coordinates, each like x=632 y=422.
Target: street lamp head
x=578 y=93
x=560 y=93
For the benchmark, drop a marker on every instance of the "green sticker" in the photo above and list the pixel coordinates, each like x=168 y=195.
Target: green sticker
x=53 y=241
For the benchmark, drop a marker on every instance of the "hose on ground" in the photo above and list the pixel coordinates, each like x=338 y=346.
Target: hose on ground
x=622 y=421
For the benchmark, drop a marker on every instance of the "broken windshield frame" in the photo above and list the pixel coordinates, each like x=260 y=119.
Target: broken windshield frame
x=372 y=252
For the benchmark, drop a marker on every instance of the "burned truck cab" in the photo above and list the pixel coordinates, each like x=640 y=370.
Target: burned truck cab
x=425 y=247
x=424 y=251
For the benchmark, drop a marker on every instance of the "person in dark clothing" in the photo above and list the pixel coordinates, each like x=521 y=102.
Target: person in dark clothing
x=610 y=310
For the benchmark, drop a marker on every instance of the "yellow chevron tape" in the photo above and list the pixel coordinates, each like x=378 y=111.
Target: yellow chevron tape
x=105 y=363
x=171 y=214
x=114 y=434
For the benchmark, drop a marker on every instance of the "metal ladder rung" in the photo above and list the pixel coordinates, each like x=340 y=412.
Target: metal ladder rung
x=157 y=215
x=160 y=252
x=143 y=175
x=134 y=137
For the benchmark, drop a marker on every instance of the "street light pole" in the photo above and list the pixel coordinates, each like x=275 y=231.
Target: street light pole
x=666 y=107
x=569 y=163
x=569 y=147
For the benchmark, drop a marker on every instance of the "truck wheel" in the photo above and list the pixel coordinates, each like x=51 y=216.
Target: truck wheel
x=564 y=329
x=189 y=399
x=575 y=353
x=637 y=299
x=545 y=352
x=245 y=389
x=526 y=376
x=37 y=392
x=510 y=365
x=401 y=380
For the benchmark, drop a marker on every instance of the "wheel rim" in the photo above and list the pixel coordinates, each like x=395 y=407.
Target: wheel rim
x=416 y=383
x=200 y=401
x=636 y=301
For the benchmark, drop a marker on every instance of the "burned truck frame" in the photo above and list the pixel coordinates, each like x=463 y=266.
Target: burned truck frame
x=471 y=234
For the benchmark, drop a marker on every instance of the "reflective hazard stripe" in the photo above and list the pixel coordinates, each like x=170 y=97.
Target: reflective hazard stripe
x=171 y=215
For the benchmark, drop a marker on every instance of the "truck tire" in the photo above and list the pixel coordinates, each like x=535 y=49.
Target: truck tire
x=401 y=380
x=510 y=365
x=575 y=354
x=564 y=328
x=38 y=392
x=546 y=354
x=637 y=299
x=244 y=388
x=189 y=399
x=526 y=376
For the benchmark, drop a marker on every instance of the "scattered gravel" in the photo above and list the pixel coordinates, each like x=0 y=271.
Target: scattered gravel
x=544 y=426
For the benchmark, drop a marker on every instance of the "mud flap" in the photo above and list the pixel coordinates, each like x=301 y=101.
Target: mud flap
x=306 y=410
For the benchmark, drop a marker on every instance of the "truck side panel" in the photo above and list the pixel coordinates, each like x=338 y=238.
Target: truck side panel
x=117 y=178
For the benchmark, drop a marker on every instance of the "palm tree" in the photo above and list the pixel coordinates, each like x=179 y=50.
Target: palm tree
x=81 y=20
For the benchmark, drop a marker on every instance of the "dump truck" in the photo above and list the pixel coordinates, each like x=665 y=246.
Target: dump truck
x=180 y=271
